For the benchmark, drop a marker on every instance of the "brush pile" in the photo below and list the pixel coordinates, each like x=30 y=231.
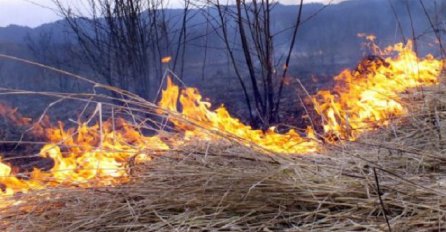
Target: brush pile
x=390 y=179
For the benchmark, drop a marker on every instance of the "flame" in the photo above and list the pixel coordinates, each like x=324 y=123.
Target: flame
x=87 y=156
x=368 y=97
x=219 y=120
x=100 y=155
x=166 y=59
x=95 y=155
x=169 y=97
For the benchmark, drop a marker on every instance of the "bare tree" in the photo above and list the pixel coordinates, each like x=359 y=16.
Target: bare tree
x=252 y=23
x=437 y=23
x=123 y=41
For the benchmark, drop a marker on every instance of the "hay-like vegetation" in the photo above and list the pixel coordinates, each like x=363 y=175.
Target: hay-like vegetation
x=392 y=179
x=226 y=187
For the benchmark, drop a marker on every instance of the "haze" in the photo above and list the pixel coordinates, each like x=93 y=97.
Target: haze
x=34 y=13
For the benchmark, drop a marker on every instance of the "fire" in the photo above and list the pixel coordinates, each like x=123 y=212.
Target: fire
x=87 y=156
x=368 y=97
x=169 y=97
x=100 y=154
x=166 y=59
x=219 y=120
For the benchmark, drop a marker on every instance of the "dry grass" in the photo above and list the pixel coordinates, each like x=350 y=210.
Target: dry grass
x=231 y=188
x=224 y=186
x=393 y=179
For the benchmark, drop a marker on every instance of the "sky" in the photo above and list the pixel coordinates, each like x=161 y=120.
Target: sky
x=33 y=13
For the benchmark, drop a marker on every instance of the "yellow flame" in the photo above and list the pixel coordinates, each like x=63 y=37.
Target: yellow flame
x=170 y=96
x=86 y=157
x=100 y=155
x=199 y=111
x=368 y=98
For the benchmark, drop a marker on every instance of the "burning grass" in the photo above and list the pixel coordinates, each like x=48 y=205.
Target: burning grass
x=395 y=173
x=130 y=173
x=229 y=187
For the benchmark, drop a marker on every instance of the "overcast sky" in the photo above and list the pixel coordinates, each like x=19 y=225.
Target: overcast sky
x=27 y=13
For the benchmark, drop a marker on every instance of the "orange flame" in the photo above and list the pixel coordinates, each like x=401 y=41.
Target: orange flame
x=87 y=157
x=166 y=59
x=368 y=97
x=100 y=154
x=219 y=120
